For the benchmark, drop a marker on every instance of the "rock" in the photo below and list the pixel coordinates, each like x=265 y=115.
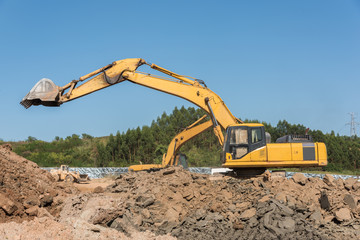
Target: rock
x=145 y=213
x=284 y=209
x=329 y=180
x=324 y=201
x=232 y=208
x=46 y=200
x=316 y=216
x=31 y=201
x=243 y=205
x=122 y=225
x=290 y=201
x=169 y=171
x=328 y=218
x=98 y=189
x=6 y=147
x=148 y=202
x=248 y=213
x=188 y=194
x=264 y=199
x=288 y=223
x=172 y=215
x=343 y=214
x=350 y=201
x=214 y=217
x=137 y=220
x=237 y=225
x=7 y=205
x=281 y=197
x=200 y=214
x=349 y=183
x=266 y=176
x=339 y=183
x=95 y=229
x=106 y=216
x=216 y=207
x=253 y=222
x=32 y=211
x=356 y=186
x=42 y=212
x=145 y=201
x=269 y=224
x=300 y=178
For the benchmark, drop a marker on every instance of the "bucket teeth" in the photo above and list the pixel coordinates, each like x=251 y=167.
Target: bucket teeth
x=26 y=103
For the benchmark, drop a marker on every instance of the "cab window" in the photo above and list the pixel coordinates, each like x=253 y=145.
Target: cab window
x=239 y=136
x=256 y=135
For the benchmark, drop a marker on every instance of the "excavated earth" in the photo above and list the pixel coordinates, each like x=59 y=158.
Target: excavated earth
x=175 y=204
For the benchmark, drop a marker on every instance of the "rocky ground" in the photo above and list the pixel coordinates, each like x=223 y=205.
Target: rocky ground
x=174 y=204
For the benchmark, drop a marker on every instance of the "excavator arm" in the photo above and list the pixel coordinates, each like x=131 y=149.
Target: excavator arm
x=46 y=93
x=169 y=158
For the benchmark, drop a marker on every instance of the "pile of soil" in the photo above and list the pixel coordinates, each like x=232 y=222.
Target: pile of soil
x=26 y=191
x=174 y=204
x=195 y=206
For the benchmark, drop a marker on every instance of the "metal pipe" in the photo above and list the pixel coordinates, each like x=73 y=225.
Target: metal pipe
x=163 y=70
x=95 y=72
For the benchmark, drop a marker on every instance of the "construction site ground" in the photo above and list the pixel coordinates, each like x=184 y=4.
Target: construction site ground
x=173 y=204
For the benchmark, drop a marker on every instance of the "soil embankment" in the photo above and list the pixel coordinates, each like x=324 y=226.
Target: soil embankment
x=174 y=203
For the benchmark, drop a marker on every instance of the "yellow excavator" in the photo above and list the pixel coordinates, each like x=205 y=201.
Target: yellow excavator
x=245 y=145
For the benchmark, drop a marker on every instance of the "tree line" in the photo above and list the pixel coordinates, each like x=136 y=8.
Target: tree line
x=147 y=145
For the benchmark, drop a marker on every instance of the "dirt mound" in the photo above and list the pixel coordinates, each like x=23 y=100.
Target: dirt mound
x=191 y=206
x=26 y=190
x=45 y=228
x=174 y=203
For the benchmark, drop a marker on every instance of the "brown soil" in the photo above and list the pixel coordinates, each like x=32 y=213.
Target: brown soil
x=90 y=186
x=174 y=203
x=25 y=188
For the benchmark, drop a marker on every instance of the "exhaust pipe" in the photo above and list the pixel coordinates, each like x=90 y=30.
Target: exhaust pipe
x=45 y=92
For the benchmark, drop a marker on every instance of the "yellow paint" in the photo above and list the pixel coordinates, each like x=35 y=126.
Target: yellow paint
x=279 y=152
x=321 y=154
x=258 y=155
x=279 y=155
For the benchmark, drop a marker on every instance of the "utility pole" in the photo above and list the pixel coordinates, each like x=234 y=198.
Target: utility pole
x=352 y=125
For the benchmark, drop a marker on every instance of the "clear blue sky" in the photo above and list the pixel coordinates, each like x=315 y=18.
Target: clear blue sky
x=268 y=60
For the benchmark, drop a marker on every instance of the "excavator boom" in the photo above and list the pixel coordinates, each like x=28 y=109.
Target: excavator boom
x=122 y=70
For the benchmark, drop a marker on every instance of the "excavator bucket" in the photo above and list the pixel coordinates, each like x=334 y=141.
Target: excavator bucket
x=45 y=92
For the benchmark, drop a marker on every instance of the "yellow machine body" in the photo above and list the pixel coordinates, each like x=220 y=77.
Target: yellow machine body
x=280 y=155
x=246 y=146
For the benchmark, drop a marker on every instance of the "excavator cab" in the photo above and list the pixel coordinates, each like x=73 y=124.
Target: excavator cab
x=242 y=139
x=248 y=146
x=181 y=160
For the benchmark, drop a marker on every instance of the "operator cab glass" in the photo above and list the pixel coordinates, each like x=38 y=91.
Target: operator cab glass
x=240 y=140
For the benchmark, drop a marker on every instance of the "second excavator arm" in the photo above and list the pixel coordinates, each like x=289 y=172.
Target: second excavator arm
x=169 y=158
